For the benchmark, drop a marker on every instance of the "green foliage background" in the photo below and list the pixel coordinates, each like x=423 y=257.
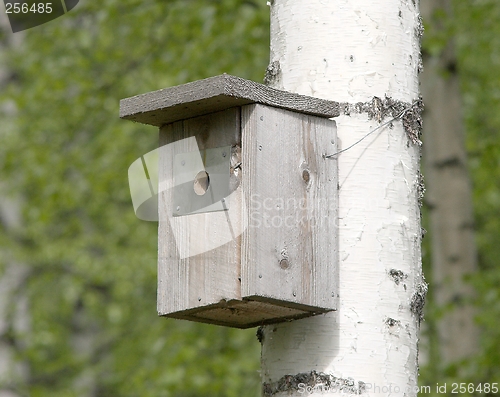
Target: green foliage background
x=65 y=152
x=64 y=155
x=474 y=26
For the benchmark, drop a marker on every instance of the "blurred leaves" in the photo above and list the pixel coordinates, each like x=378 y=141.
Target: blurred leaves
x=475 y=28
x=478 y=41
x=65 y=155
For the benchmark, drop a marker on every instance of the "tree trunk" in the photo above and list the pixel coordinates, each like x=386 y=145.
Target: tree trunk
x=453 y=250
x=366 y=55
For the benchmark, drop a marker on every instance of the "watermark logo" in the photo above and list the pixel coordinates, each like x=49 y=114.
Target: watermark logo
x=26 y=14
x=199 y=198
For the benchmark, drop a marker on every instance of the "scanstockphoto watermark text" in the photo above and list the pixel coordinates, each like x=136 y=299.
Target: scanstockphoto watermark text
x=369 y=389
x=279 y=212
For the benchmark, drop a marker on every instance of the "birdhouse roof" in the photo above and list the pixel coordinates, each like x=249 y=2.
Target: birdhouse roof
x=215 y=94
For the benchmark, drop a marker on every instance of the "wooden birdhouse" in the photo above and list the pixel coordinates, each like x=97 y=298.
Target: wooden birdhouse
x=247 y=201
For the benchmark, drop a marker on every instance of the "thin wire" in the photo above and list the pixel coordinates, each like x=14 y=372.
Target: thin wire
x=371 y=132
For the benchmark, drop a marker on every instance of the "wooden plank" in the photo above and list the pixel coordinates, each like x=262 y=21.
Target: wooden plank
x=215 y=94
x=212 y=275
x=289 y=250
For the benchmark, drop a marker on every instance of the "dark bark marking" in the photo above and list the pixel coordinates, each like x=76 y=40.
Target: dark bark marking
x=392 y=322
x=420 y=188
x=378 y=109
x=417 y=301
x=273 y=72
x=260 y=334
x=397 y=275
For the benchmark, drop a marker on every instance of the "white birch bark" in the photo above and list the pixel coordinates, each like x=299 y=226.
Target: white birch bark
x=353 y=51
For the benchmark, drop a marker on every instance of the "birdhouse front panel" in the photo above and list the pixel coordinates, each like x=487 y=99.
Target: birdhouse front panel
x=199 y=253
x=290 y=188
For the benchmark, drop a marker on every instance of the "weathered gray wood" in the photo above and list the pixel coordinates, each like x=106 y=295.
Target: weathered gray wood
x=289 y=251
x=214 y=94
x=275 y=271
x=286 y=270
x=208 y=278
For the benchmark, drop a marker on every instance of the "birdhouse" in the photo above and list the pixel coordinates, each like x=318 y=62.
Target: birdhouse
x=247 y=201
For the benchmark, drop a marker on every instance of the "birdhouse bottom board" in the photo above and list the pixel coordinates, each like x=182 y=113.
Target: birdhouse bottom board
x=262 y=246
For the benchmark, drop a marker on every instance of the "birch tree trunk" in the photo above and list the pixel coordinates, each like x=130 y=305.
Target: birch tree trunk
x=366 y=55
x=449 y=198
